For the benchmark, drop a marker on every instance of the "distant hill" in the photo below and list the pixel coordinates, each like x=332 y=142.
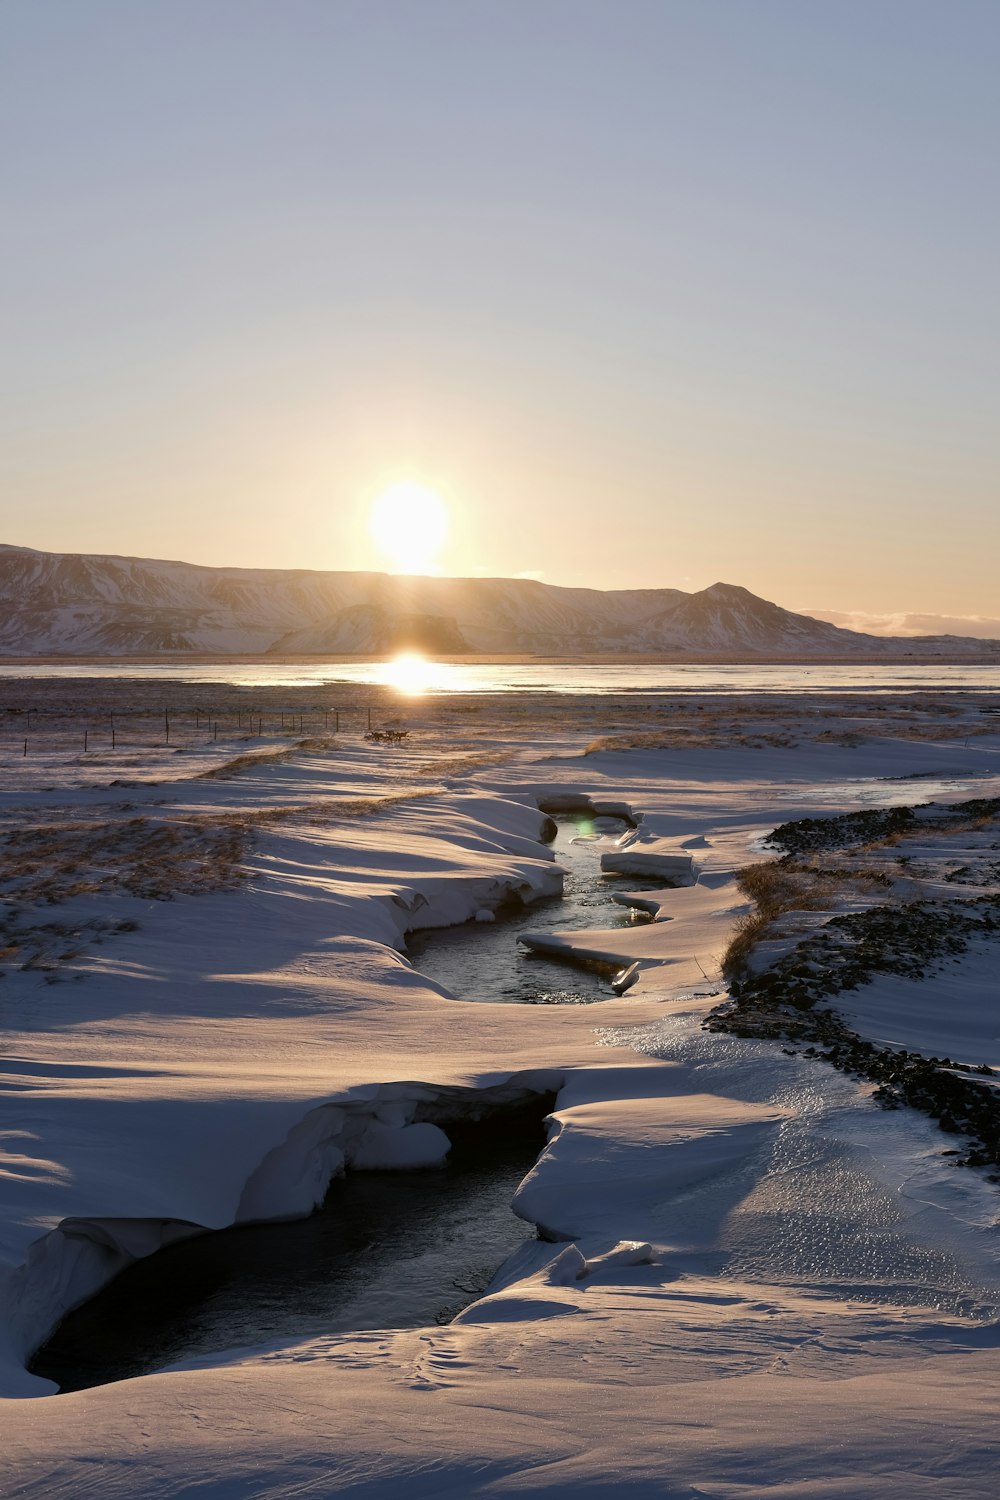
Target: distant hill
x=55 y=603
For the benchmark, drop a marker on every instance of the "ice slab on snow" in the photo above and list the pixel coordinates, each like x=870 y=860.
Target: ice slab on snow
x=672 y=955
x=634 y=1162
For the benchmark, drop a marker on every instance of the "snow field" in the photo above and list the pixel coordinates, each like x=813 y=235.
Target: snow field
x=225 y=1059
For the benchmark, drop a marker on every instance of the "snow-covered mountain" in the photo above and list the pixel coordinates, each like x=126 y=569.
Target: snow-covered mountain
x=68 y=604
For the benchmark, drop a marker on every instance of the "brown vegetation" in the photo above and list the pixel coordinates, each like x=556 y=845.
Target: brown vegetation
x=48 y=863
x=681 y=738
x=252 y=759
x=776 y=888
x=457 y=765
x=139 y=856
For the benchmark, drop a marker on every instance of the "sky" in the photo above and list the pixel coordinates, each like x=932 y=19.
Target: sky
x=650 y=292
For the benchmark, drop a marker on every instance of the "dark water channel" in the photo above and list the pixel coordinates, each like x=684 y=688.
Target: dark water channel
x=484 y=961
x=386 y=1250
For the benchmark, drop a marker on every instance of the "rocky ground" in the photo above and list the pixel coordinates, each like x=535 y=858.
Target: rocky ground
x=911 y=930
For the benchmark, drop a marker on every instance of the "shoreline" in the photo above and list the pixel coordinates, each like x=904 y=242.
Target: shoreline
x=491 y=659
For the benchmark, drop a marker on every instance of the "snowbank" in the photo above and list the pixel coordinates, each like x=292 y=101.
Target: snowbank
x=225 y=1060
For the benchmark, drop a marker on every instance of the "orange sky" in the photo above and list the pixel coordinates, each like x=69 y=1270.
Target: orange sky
x=657 y=294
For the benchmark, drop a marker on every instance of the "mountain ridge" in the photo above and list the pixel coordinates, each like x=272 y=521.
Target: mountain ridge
x=82 y=604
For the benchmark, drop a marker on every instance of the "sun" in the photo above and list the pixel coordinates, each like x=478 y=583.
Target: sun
x=409 y=673
x=409 y=525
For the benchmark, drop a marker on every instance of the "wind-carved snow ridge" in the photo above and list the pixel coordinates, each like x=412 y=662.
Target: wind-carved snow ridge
x=392 y=1126
x=372 y=1127
x=491 y=848
x=248 y=1011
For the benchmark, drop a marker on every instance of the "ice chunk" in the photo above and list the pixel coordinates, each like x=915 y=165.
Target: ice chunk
x=625 y=979
x=625 y=1253
x=567 y=1267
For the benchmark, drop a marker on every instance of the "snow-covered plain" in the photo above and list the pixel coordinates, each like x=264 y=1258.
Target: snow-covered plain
x=756 y=1281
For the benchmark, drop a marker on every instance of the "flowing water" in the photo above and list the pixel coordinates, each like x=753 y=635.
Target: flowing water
x=484 y=961
x=386 y=1250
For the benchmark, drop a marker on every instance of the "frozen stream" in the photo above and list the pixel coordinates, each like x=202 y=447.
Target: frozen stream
x=484 y=961
x=386 y=1250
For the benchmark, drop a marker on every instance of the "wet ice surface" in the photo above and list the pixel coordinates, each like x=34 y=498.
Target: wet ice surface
x=878 y=791
x=386 y=1250
x=826 y=1205
x=819 y=1219
x=484 y=961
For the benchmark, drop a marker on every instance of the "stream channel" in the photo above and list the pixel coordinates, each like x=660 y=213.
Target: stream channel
x=484 y=961
x=386 y=1249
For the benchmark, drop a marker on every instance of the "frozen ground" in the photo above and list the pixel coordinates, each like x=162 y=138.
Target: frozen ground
x=756 y=1281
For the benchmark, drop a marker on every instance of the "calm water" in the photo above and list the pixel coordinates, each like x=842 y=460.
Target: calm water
x=386 y=1250
x=484 y=961
x=415 y=677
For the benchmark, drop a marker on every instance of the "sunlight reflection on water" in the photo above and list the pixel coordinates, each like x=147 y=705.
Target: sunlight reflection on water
x=411 y=673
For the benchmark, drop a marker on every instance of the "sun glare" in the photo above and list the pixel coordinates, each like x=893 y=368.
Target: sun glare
x=409 y=673
x=409 y=526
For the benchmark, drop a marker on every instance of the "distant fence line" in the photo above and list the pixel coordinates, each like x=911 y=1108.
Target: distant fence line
x=114 y=729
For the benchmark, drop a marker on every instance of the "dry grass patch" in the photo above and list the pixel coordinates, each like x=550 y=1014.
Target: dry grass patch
x=251 y=758
x=849 y=738
x=456 y=765
x=964 y=731
x=45 y=864
x=52 y=862
x=153 y=859
x=777 y=888
x=681 y=738
x=322 y=811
